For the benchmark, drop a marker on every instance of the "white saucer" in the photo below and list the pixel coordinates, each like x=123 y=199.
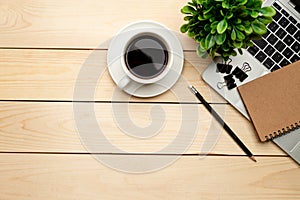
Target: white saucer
x=115 y=53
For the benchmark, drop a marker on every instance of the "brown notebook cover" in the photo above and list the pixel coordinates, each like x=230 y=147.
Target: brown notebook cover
x=273 y=101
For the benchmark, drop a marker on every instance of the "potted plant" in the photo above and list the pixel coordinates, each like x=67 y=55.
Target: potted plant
x=222 y=26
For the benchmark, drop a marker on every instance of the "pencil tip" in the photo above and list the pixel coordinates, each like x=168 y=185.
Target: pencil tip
x=252 y=158
x=193 y=90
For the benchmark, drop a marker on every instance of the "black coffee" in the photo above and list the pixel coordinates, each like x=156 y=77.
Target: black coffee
x=146 y=57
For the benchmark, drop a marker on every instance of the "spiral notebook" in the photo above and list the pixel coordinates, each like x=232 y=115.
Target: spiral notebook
x=273 y=104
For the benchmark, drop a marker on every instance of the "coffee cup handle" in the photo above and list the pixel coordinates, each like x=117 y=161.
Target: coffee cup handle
x=124 y=82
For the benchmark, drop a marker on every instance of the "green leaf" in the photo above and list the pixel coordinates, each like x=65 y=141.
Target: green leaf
x=201 y=18
x=202 y=43
x=188 y=18
x=240 y=27
x=212 y=52
x=240 y=8
x=207 y=11
x=214 y=25
x=245 y=13
x=248 y=30
x=222 y=13
x=225 y=48
x=213 y=31
x=242 y=2
x=237 y=21
x=184 y=28
x=208 y=16
x=188 y=10
x=259 y=28
x=198 y=39
x=201 y=52
x=250 y=3
x=212 y=19
x=233 y=53
x=250 y=43
x=202 y=33
x=265 y=20
x=226 y=54
x=193 y=23
x=201 y=2
x=233 y=35
x=220 y=38
x=237 y=44
x=225 y=4
x=240 y=36
x=222 y=26
x=207 y=28
x=247 y=23
x=229 y=15
x=229 y=27
x=257 y=4
x=254 y=14
x=191 y=34
x=210 y=41
x=268 y=11
x=245 y=44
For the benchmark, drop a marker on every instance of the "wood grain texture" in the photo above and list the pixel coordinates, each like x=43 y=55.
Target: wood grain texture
x=74 y=24
x=52 y=75
x=50 y=127
x=43 y=46
x=82 y=177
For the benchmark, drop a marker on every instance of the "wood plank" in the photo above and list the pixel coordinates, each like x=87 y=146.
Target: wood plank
x=51 y=127
x=51 y=75
x=75 y=24
x=82 y=177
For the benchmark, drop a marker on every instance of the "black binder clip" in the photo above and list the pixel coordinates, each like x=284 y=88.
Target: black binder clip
x=229 y=82
x=224 y=68
x=241 y=74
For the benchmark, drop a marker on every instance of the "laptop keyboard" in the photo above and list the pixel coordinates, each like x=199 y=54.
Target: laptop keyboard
x=280 y=45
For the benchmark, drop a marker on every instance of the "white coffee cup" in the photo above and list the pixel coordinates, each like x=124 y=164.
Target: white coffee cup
x=137 y=53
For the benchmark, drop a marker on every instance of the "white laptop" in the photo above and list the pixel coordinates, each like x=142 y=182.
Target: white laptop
x=278 y=48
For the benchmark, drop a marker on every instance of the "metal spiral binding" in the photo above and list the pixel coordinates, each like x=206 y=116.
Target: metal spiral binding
x=283 y=131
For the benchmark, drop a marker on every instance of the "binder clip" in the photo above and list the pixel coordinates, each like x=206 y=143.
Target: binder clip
x=229 y=82
x=224 y=68
x=241 y=74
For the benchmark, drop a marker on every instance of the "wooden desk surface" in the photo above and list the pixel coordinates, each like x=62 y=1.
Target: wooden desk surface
x=43 y=45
